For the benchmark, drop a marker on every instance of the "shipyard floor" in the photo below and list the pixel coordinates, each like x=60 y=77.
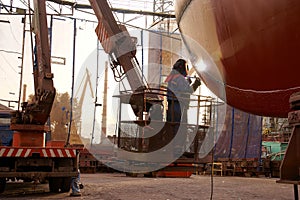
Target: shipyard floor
x=116 y=186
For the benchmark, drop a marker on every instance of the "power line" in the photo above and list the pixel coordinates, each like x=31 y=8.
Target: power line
x=4 y=6
x=52 y=8
x=8 y=51
x=128 y=10
x=12 y=33
x=9 y=64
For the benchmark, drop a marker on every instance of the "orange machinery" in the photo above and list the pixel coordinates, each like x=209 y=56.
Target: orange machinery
x=28 y=158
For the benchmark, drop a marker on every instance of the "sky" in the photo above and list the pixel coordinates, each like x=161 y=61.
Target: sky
x=62 y=46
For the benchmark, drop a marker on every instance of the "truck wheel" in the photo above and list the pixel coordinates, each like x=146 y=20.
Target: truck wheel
x=2 y=184
x=66 y=184
x=54 y=184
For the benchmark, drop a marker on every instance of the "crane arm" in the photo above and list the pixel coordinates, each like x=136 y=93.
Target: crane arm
x=38 y=111
x=87 y=80
x=117 y=42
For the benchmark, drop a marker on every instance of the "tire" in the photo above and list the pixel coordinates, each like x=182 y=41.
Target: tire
x=55 y=184
x=2 y=184
x=66 y=184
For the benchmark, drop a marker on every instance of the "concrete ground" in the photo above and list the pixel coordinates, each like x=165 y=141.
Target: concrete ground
x=116 y=186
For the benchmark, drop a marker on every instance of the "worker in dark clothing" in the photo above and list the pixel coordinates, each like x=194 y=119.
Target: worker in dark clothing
x=179 y=91
x=178 y=95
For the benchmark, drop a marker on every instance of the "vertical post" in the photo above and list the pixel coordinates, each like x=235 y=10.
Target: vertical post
x=11 y=5
x=232 y=132
x=22 y=62
x=247 y=138
x=96 y=95
x=160 y=58
x=154 y=10
x=119 y=121
x=31 y=37
x=104 y=112
x=72 y=89
x=296 y=195
x=142 y=44
x=50 y=33
x=50 y=46
x=24 y=92
x=196 y=139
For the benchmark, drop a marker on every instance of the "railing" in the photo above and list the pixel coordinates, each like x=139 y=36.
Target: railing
x=151 y=131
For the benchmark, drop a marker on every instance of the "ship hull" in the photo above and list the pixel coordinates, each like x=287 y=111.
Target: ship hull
x=255 y=46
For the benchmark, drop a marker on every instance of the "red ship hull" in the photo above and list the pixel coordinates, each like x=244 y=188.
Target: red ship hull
x=255 y=46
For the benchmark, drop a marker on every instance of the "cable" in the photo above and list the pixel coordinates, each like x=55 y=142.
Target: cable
x=2 y=69
x=118 y=74
x=27 y=5
x=8 y=51
x=126 y=24
x=12 y=33
x=24 y=3
x=4 y=6
x=9 y=64
x=52 y=8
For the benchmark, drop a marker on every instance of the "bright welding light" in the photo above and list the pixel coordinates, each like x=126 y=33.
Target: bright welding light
x=201 y=66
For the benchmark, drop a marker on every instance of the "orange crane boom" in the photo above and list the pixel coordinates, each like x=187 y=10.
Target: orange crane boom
x=116 y=41
x=38 y=111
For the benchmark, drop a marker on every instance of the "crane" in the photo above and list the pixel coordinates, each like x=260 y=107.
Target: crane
x=38 y=111
x=87 y=82
x=121 y=48
x=29 y=158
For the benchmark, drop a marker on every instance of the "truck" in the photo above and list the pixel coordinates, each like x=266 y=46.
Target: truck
x=27 y=157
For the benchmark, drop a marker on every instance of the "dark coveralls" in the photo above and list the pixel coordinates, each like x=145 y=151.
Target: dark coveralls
x=178 y=96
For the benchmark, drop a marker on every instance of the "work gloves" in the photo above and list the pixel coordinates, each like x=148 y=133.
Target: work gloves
x=196 y=83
